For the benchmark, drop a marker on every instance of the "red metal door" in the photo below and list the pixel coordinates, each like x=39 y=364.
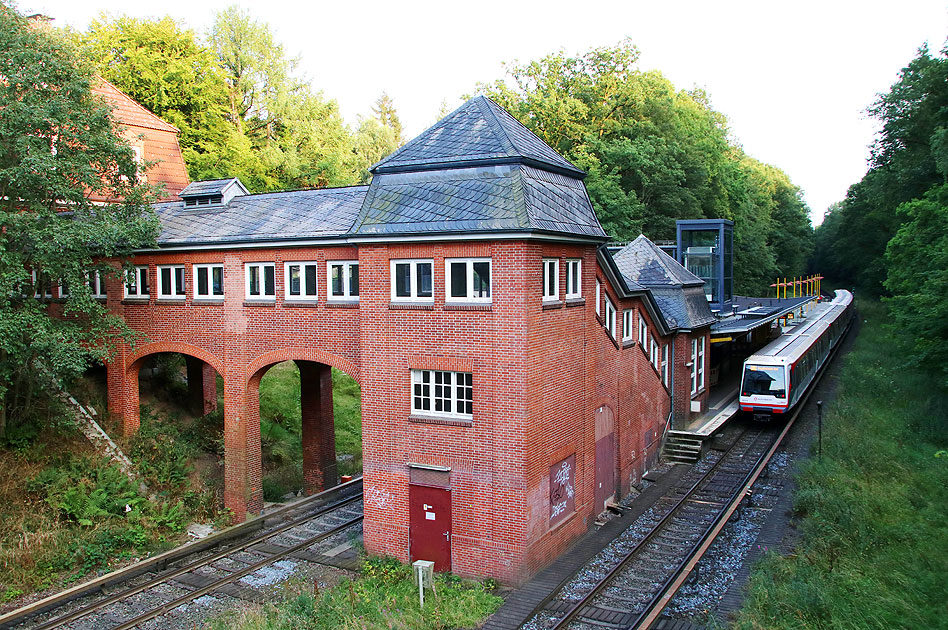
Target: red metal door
x=430 y=525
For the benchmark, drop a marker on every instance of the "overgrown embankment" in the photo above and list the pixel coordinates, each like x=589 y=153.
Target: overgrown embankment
x=874 y=509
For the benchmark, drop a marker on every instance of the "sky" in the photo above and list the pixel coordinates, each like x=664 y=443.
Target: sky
x=793 y=78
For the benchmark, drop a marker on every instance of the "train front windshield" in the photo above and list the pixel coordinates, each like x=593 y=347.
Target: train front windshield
x=764 y=380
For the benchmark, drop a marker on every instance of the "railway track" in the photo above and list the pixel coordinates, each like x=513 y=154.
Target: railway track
x=639 y=575
x=151 y=589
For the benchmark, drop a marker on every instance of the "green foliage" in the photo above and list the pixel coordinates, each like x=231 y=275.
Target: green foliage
x=385 y=597
x=874 y=551
x=57 y=147
x=655 y=154
x=160 y=454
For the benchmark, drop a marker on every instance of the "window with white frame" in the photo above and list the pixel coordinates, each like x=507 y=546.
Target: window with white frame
x=643 y=333
x=299 y=280
x=609 y=318
x=342 y=280
x=96 y=284
x=208 y=281
x=136 y=282
x=653 y=352
x=439 y=393
x=628 y=333
x=700 y=363
x=63 y=289
x=665 y=364
x=260 y=280
x=412 y=281
x=42 y=284
x=171 y=282
x=574 y=277
x=467 y=280
x=551 y=279
x=598 y=297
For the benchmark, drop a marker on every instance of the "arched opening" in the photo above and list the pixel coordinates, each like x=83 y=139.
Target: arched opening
x=310 y=427
x=179 y=443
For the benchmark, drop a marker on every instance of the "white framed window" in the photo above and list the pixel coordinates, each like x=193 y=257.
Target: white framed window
x=342 y=280
x=598 y=297
x=439 y=393
x=208 y=281
x=96 y=285
x=42 y=284
x=701 y=363
x=609 y=319
x=260 y=280
x=136 y=282
x=665 y=364
x=63 y=288
x=643 y=333
x=412 y=280
x=574 y=278
x=653 y=352
x=171 y=282
x=299 y=280
x=628 y=332
x=551 y=279
x=467 y=280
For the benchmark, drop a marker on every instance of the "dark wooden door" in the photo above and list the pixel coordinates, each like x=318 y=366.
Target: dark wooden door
x=605 y=457
x=430 y=525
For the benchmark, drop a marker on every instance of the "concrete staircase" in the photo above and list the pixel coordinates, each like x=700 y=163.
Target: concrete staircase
x=682 y=446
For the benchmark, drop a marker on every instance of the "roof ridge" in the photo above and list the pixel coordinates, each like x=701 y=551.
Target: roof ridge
x=483 y=104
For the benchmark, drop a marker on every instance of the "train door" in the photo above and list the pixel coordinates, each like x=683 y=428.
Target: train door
x=605 y=458
x=429 y=533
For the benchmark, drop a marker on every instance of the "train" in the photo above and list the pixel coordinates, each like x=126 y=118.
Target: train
x=777 y=377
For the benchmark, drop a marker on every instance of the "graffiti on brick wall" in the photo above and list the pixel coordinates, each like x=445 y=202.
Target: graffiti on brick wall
x=562 y=489
x=382 y=499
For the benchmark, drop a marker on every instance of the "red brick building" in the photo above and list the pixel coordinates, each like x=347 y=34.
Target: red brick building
x=516 y=374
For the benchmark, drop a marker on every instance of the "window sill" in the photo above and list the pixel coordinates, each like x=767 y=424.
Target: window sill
x=342 y=304
x=300 y=303
x=579 y=301
x=137 y=300
x=628 y=343
x=167 y=300
x=259 y=303
x=204 y=302
x=447 y=422
x=549 y=305
x=466 y=306
x=411 y=306
x=697 y=393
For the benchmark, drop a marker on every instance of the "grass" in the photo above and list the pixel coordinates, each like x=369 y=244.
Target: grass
x=383 y=598
x=874 y=545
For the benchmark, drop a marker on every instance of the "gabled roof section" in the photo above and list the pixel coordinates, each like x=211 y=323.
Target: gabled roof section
x=478 y=133
x=284 y=216
x=127 y=110
x=645 y=262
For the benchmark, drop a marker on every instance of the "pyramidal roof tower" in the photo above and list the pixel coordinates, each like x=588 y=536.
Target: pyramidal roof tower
x=477 y=170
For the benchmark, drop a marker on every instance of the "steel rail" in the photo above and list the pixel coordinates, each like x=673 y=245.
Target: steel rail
x=671 y=587
x=577 y=607
x=159 y=562
x=157 y=612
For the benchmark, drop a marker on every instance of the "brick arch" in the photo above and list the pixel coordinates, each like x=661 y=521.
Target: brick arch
x=140 y=352
x=303 y=354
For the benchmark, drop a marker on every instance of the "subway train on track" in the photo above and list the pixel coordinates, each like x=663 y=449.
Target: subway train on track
x=778 y=375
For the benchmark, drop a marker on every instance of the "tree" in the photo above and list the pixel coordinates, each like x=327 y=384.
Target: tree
x=57 y=146
x=385 y=113
x=655 y=154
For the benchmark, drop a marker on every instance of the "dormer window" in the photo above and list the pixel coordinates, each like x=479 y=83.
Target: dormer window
x=211 y=194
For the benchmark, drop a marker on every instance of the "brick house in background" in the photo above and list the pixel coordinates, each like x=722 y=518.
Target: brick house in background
x=516 y=375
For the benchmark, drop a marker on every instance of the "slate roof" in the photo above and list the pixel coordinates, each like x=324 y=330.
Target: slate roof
x=678 y=293
x=477 y=199
x=301 y=214
x=479 y=132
